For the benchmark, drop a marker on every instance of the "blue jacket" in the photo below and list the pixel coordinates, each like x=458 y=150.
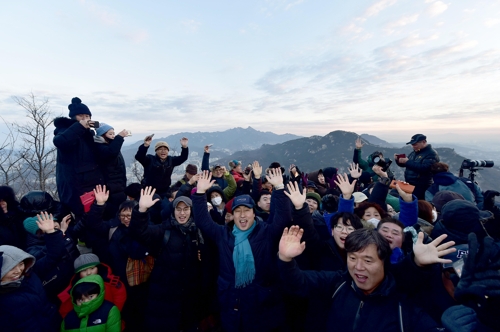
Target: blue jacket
x=77 y=171
x=448 y=181
x=258 y=306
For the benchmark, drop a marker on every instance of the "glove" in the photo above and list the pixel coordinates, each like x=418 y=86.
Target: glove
x=489 y=199
x=331 y=183
x=459 y=318
x=304 y=179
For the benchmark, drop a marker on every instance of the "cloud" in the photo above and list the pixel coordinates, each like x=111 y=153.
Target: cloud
x=401 y=22
x=104 y=15
x=450 y=49
x=293 y=4
x=354 y=28
x=436 y=8
x=378 y=7
x=191 y=25
x=489 y=22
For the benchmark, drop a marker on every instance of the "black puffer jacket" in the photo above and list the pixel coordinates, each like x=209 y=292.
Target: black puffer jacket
x=418 y=166
x=12 y=232
x=157 y=173
x=112 y=163
x=175 y=293
x=77 y=170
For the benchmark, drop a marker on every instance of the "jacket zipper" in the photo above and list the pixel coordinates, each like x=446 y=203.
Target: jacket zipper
x=358 y=314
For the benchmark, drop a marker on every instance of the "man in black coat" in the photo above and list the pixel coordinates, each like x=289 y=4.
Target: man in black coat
x=158 y=168
x=418 y=164
x=77 y=171
x=365 y=298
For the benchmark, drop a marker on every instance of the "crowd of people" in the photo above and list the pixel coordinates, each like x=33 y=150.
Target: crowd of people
x=246 y=249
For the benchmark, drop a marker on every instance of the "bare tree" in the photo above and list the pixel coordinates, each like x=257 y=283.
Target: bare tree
x=37 y=150
x=137 y=172
x=10 y=168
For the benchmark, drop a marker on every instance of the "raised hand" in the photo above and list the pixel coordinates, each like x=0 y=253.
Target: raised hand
x=85 y=123
x=404 y=195
x=359 y=143
x=101 y=194
x=248 y=177
x=378 y=170
x=295 y=195
x=147 y=140
x=431 y=253
x=290 y=245
x=344 y=185
x=355 y=171
x=275 y=177
x=123 y=133
x=257 y=170
x=146 y=201
x=184 y=142
x=45 y=222
x=65 y=223
x=204 y=182
x=206 y=149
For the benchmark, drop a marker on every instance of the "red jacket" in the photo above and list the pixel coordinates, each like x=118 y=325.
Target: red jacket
x=114 y=289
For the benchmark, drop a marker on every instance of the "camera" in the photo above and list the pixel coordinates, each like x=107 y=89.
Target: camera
x=94 y=125
x=469 y=164
x=248 y=169
x=382 y=162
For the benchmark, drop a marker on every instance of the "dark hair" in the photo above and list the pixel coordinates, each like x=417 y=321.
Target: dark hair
x=439 y=168
x=330 y=203
x=425 y=210
x=85 y=289
x=263 y=192
x=392 y=221
x=134 y=190
x=346 y=216
x=127 y=205
x=362 y=238
x=363 y=206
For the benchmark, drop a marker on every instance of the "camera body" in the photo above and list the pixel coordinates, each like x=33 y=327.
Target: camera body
x=470 y=163
x=385 y=163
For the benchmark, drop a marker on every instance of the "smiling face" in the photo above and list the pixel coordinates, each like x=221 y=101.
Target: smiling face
x=392 y=233
x=182 y=212
x=15 y=273
x=340 y=232
x=366 y=268
x=244 y=217
x=162 y=153
x=370 y=213
x=125 y=217
x=313 y=204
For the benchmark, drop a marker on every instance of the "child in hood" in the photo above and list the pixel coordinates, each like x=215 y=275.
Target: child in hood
x=91 y=312
x=89 y=264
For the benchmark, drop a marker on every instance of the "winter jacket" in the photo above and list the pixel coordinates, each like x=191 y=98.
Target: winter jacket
x=97 y=315
x=157 y=173
x=56 y=278
x=116 y=239
x=448 y=181
x=259 y=305
x=418 y=166
x=25 y=307
x=350 y=309
x=77 y=170
x=367 y=165
x=12 y=232
x=115 y=290
x=322 y=188
x=175 y=293
x=112 y=164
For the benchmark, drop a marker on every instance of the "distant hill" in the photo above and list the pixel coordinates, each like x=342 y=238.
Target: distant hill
x=224 y=142
x=336 y=149
x=376 y=141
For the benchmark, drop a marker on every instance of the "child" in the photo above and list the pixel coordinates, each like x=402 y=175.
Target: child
x=112 y=165
x=89 y=264
x=91 y=312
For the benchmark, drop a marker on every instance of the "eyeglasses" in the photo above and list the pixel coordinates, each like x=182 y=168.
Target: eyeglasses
x=125 y=216
x=340 y=228
x=185 y=210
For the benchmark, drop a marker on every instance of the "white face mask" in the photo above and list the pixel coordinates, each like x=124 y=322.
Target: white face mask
x=217 y=200
x=373 y=221
x=434 y=215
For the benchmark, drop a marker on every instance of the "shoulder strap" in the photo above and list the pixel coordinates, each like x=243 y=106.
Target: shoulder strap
x=112 y=231
x=166 y=236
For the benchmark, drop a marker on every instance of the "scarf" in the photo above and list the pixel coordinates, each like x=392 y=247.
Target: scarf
x=244 y=263
x=188 y=227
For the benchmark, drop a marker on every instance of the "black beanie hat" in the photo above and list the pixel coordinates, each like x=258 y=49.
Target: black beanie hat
x=76 y=107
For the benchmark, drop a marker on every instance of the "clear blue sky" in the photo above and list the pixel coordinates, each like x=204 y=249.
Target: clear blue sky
x=388 y=67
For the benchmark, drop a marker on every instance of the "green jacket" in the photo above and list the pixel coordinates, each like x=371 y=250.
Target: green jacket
x=231 y=186
x=94 y=316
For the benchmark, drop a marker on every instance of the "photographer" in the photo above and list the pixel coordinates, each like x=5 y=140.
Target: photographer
x=418 y=164
x=376 y=158
x=77 y=171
